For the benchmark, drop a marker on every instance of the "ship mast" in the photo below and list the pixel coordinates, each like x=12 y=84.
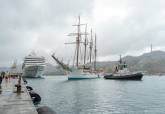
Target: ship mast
x=151 y=48
x=85 y=44
x=78 y=40
x=90 y=48
x=95 y=50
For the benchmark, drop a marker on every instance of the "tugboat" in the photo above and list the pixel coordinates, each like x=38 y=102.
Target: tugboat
x=122 y=73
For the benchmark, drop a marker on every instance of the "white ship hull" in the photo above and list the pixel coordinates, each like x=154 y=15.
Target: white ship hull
x=77 y=75
x=33 y=71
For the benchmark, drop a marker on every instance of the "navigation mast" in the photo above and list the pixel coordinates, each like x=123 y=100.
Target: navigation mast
x=85 y=44
x=78 y=40
x=90 y=47
x=95 y=50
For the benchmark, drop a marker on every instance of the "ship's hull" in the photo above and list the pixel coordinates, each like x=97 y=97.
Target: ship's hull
x=133 y=76
x=33 y=71
x=79 y=75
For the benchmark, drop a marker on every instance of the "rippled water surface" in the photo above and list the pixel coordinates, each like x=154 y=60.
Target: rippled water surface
x=100 y=96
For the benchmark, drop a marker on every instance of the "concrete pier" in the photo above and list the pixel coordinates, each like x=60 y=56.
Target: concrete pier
x=15 y=103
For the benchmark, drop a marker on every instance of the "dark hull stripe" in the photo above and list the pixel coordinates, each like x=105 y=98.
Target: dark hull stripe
x=137 y=76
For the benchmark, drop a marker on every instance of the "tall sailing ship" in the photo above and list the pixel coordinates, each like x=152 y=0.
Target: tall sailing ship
x=82 y=68
x=33 y=66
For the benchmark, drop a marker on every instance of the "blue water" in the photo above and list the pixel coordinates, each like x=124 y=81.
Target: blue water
x=100 y=96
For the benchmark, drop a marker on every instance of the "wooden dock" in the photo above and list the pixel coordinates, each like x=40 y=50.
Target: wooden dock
x=15 y=103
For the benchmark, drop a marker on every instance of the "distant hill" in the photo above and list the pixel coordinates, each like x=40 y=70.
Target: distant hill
x=4 y=69
x=153 y=63
x=53 y=70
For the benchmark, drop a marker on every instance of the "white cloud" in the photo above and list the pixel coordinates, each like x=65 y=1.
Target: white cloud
x=122 y=26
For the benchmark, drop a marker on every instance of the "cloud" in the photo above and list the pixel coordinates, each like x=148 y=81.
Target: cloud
x=122 y=26
x=39 y=25
x=130 y=25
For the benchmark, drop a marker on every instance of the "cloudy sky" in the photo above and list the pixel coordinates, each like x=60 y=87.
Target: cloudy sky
x=122 y=27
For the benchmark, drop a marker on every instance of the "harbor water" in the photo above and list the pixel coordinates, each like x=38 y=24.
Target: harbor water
x=100 y=96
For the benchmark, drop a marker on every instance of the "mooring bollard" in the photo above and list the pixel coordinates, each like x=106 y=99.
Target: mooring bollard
x=0 y=83
x=45 y=110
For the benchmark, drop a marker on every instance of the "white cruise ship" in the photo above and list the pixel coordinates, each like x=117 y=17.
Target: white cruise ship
x=33 y=66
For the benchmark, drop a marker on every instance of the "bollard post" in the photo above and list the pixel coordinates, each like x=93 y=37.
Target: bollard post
x=1 y=83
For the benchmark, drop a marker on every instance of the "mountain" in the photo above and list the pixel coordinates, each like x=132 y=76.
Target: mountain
x=152 y=63
x=4 y=69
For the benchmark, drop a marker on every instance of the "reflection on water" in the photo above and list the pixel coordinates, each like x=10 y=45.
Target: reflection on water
x=99 y=96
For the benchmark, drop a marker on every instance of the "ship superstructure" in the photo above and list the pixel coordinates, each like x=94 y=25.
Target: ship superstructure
x=33 y=66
